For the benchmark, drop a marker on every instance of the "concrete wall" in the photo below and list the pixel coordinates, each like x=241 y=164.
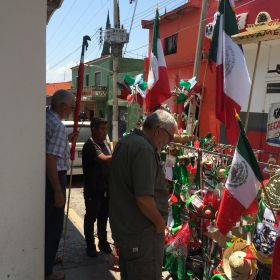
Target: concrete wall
x=22 y=151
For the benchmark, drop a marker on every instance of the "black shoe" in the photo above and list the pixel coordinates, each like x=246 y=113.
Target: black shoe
x=91 y=252
x=105 y=248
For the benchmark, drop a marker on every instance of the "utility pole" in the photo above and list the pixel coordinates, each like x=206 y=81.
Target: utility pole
x=115 y=51
x=116 y=36
x=197 y=60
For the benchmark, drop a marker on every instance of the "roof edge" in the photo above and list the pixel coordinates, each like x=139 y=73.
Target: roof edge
x=148 y=24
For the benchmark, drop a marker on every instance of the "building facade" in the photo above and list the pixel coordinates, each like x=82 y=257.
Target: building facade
x=179 y=31
x=97 y=96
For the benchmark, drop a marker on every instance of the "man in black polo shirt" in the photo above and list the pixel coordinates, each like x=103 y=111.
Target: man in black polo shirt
x=96 y=157
x=139 y=199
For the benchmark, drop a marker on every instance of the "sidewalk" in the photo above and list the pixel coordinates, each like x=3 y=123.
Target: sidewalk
x=76 y=264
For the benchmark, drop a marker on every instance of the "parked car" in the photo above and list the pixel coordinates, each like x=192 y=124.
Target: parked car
x=84 y=134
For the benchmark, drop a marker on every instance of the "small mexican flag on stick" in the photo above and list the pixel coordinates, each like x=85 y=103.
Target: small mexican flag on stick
x=158 y=89
x=241 y=186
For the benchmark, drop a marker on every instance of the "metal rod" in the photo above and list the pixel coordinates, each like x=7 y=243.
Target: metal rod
x=252 y=86
x=221 y=155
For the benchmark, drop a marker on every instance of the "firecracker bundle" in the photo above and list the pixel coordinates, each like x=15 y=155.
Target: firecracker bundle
x=223 y=218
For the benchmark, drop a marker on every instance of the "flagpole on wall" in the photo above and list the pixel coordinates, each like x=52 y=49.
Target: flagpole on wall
x=252 y=86
x=197 y=60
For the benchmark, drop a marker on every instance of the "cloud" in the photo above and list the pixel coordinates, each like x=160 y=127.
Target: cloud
x=60 y=73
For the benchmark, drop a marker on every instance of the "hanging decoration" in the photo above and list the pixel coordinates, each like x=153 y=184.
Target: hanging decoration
x=133 y=89
x=196 y=175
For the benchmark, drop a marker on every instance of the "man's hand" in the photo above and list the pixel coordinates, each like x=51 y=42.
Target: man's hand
x=72 y=137
x=149 y=209
x=59 y=199
x=160 y=226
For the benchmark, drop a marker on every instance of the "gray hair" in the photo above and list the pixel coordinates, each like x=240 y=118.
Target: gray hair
x=62 y=96
x=160 y=118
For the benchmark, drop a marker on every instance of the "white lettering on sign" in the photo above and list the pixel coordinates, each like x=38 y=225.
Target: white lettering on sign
x=273 y=125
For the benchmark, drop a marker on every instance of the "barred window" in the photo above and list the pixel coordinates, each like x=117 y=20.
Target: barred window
x=171 y=44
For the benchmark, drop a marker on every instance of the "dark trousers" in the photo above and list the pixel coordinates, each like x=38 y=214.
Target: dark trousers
x=141 y=255
x=53 y=224
x=97 y=207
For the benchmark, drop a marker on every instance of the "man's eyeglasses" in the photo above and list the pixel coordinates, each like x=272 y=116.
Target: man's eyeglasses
x=170 y=136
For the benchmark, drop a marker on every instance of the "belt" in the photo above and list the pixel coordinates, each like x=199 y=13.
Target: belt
x=62 y=172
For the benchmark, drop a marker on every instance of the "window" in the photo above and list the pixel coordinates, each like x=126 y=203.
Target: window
x=171 y=44
x=97 y=78
x=87 y=80
x=77 y=81
x=273 y=88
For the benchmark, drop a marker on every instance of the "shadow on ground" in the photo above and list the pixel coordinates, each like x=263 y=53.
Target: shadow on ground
x=77 y=265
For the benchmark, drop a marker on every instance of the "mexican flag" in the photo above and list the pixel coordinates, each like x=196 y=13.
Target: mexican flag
x=158 y=89
x=240 y=193
x=232 y=78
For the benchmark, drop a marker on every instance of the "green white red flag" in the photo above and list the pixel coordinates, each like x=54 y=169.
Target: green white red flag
x=232 y=80
x=158 y=89
x=240 y=193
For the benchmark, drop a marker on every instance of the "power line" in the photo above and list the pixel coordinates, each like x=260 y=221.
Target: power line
x=72 y=27
x=61 y=23
x=70 y=54
x=135 y=6
x=148 y=11
x=170 y=8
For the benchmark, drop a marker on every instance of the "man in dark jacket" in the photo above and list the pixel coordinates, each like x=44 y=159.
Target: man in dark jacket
x=96 y=157
x=139 y=199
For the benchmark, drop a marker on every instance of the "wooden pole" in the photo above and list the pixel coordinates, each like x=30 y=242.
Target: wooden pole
x=67 y=212
x=252 y=86
x=197 y=61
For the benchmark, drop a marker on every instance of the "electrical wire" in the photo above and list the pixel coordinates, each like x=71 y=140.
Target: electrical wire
x=71 y=53
x=196 y=24
x=61 y=23
x=135 y=6
x=72 y=27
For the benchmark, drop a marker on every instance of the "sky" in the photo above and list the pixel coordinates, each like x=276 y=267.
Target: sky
x=77 y=18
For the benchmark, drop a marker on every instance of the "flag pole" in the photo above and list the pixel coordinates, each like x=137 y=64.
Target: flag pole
x=75 y=131
x=197 y=61
x=252 y=86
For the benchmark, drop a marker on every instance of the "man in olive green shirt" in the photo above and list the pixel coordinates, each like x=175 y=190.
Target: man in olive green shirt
x=138 y=198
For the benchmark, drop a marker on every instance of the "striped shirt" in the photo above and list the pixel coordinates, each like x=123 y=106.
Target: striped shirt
x=57 y=140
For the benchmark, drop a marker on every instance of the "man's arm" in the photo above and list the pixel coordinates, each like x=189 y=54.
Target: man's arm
x=149 y=209
x=104 y=158
x=59 y=199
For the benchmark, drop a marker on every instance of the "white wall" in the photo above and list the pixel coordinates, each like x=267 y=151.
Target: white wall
x=22 y=124
x=268 y=59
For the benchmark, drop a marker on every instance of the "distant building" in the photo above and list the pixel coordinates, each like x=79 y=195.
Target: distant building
x=97 y=95
x=51 y=88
